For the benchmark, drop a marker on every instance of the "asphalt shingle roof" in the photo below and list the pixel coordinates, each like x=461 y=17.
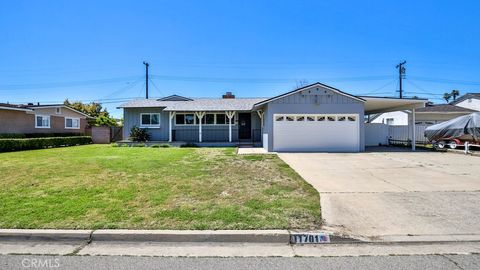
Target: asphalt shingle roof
x=443 y=108
x=466 y=96
x=200 y=104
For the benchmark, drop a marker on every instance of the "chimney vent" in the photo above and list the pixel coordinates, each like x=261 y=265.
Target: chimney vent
x=228 y=95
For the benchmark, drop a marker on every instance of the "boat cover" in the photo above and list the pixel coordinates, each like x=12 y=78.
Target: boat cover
x=465 y=127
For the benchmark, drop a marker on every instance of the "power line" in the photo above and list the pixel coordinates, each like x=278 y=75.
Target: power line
x=158 y=89
x=449 y=81
x=64 y=84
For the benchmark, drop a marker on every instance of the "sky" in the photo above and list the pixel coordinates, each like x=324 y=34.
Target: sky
x=93 y=50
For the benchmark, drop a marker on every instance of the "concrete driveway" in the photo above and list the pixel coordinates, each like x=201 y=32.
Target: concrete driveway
x=383 y=193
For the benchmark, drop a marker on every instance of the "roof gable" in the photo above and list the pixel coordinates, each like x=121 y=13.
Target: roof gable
x=174 y=98
x=312 y=89
x=465 y=97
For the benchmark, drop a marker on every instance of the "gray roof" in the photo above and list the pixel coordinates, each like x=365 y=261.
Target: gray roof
x=443 y=108
x=198 y=104
x=464 y=97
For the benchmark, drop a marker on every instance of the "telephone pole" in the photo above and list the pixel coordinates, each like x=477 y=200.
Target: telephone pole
x=146 y=78
x=401 y=75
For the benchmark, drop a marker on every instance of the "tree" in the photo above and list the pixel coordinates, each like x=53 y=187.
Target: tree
x=93 y=109
x=447 y=96
x=455 y=94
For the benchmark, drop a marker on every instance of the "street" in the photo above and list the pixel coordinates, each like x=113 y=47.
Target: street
x=121 y=262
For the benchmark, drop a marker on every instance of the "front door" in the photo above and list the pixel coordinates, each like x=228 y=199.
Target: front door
x=244 y=126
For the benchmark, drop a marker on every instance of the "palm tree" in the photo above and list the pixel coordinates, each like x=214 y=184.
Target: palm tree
x=455 y=94
x=447 y=96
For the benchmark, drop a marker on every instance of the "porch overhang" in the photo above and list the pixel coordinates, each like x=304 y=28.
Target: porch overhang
x=374 y=105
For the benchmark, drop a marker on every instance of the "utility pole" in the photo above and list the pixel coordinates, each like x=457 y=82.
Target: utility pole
x=146 y=78
x=401 y=75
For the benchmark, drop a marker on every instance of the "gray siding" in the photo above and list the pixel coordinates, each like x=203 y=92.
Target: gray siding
x=210 y=133
x=299 y=103
x=131 y=118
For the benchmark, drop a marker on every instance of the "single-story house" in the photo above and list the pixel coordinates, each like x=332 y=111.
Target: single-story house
x=32 y=119
x=316 y=117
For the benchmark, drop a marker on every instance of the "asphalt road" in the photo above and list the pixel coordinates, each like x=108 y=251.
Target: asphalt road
x=123 y=262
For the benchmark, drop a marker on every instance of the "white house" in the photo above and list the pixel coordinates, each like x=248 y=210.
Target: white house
x=469 y=101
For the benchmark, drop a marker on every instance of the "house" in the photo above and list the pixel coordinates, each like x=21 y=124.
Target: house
x=33 y=119
x=398 y=118
x=316 y=117
x=469 y=101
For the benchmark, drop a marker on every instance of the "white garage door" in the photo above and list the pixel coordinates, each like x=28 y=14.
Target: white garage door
x=316 y=132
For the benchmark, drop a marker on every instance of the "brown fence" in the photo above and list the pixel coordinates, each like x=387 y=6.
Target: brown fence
x=102 y=135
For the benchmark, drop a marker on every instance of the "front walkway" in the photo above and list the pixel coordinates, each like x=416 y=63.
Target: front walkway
x=379 y=194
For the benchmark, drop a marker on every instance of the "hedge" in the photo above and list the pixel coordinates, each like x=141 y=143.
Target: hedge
x=40 y=143
x=37 y=135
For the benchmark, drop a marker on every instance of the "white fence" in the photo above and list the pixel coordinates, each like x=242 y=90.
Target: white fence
x=403 y=133
x=376 y=134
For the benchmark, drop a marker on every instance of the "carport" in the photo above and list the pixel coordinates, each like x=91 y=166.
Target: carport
x=376 y=105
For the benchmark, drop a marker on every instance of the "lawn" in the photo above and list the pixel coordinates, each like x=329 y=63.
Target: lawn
x=100 y=186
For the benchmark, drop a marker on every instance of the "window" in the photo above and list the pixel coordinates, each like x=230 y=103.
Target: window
x=352 y=118
x=150 y=120
x=42 y=121
x=209 y=119
x=58 y=110
x=289 y=118
x=185 y=119
x=310 y=118
x=320 y=118
x=300 y=118
x=222 y=119
x=331 y=118
x=279 y=118
x=72 y=123
x=390 y=121
x=342 y=118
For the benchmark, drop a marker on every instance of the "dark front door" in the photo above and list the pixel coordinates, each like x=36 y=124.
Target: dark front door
x=244 y=126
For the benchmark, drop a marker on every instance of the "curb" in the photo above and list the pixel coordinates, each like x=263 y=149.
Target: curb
x=246 y=236
x=44 y=235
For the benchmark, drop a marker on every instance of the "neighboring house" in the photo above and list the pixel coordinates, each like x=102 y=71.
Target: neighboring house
x=469 y=101
x=398 y=118
x=30 y=119
x=316 y=117
x=434 y=114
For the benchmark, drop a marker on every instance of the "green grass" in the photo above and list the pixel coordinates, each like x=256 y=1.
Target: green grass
x=100 y=186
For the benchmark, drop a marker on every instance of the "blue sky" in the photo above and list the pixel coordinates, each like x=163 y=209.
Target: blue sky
x=93 y=50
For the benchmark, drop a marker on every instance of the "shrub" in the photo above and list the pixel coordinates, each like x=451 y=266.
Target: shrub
x=155 y=146
x=39 y=143
x=12 y=136
x=138 y=145
x=139 y=135
x=189 y=145
x=38 y=135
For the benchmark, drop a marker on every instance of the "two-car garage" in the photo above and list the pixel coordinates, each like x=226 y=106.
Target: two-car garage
x=316 y=132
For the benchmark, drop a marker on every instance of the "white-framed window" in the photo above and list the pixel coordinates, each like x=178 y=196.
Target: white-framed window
x=72 y=123
x=208 y=119
x=58 y=110
x=151 y=120
x=42 y=121
x=185 y=119
x=390 y=121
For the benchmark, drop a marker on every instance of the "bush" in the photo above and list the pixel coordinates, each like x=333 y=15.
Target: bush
x=139 y=135
x=138 y=145
x=38 y=135
x=189 y=145
x=163 y=145
x=40 y=143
